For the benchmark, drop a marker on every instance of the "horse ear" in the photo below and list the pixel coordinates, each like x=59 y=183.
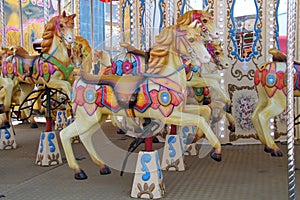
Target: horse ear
x=72 y=16
x=64 y=14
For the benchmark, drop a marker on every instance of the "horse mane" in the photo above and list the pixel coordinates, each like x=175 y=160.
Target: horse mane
x=161 y=48
x=188 y=17
x=48 y=35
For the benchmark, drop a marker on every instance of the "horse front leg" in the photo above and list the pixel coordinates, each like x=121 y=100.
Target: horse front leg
x=261 y=104
x=188 y=119
x=275 y=106
x=86 y=139
x=65 y=135
x=202 y=110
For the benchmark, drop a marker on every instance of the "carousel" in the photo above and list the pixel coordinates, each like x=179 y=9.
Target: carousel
x=189 y=99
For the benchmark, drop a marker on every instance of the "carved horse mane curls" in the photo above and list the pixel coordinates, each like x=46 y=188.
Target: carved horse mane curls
x=158 y=58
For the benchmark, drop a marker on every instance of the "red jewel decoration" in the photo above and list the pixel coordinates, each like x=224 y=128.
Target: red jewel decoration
x=127 y=67
x=113 y=68
x=206 y=91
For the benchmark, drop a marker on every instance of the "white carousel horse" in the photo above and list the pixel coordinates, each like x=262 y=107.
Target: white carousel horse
x=270 y=83
x=52 y=68
x=158 y=93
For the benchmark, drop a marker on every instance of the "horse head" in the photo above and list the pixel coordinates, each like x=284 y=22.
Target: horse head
x=102 y=57
x=191 y=44
x=204 y=18
x=184 y=41
x=77 y=56
x=4 y=53
x=215 y=49
x=60 y=26
x=81 y=54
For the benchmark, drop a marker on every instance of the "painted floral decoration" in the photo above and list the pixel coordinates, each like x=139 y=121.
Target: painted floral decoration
x=244 y=109
x=165 y=99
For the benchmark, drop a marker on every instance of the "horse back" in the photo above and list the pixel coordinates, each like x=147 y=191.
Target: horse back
x=272 y=76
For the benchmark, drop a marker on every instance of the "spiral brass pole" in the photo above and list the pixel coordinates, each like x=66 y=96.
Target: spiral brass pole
x=291 y=18
x=3 y=23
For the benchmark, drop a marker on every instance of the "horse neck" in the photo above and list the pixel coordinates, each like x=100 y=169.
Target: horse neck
x=208 y=68
x=60 y=51
x=171 y=66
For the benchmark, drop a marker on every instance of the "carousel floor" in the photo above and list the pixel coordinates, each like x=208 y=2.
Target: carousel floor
x=246 y=172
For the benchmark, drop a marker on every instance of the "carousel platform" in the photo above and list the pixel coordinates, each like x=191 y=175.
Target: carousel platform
x=246 y=172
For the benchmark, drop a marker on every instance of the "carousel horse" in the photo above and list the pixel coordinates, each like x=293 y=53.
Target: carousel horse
x=53 y=67
x=159 y=93
x=270 y=83
x=203 y=78
x=208 y=30
x=80 y=57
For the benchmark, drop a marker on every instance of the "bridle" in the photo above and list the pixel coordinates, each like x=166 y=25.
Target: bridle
x=61 y=34
x=197 y=16
x=181 y=38
x=211 y=50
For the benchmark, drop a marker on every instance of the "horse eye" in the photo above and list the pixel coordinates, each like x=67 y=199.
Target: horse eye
x=217 y=53
x=204 y=21
x=61 y=26
x=81 y=56
x=191 y=40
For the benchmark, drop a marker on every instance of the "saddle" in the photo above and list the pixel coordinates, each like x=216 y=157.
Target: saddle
x=132 y=49
x=20 y=51
x=126 y=88
x=37 y=45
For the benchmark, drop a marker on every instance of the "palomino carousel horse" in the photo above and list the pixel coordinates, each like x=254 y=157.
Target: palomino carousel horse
x=159 y=93
x=53 y=67
x=270 y=83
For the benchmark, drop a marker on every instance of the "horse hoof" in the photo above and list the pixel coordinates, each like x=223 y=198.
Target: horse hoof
x=206 y=101
x=227 y=108
x=216 y=156
x=267 y=149
x=105 y=170
x=81 y=175
x=5 y=125
x=33 y=125
x=231 y=128
x=155 y=139
x=276 y=153
x=120 y=131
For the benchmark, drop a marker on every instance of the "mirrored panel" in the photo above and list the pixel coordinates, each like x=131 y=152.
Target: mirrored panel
x=244 y=33
x=281 y=25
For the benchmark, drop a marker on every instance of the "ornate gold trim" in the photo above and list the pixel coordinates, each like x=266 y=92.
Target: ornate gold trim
x=237 y=73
